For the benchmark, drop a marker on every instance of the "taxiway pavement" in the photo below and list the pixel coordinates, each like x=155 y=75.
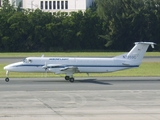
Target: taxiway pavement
x=117 y=98
x=90 y=83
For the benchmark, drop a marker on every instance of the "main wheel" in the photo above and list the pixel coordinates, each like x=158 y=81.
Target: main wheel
x=67 y=77
x=71 y=80
x=7 y=79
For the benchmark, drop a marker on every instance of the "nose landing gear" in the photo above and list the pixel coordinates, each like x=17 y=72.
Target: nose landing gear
x=7 y=78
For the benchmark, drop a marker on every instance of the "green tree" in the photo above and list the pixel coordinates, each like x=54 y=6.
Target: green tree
x=35 y=30
x=6 y=12
x=129 y=21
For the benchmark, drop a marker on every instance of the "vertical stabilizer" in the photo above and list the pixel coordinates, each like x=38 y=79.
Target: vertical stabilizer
x=136 y=54
x=139 y=50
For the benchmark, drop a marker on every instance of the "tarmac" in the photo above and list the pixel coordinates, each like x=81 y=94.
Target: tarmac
x=117 y=98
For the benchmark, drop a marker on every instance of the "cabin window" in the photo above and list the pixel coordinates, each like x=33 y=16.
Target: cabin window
x=29 y=61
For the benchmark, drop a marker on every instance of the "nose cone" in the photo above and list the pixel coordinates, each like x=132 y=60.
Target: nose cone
x=6 y=67
x=12 y=67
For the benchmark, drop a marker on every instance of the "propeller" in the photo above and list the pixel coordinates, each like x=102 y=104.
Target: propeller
x=46 y=68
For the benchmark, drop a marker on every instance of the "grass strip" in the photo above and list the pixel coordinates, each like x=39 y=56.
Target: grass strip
x=67 y=54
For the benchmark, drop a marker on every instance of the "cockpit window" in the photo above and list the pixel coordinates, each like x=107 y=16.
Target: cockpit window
x=27 y=61
x=24 y=60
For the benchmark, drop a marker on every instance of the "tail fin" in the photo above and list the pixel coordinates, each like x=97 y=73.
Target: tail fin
x=136 y=54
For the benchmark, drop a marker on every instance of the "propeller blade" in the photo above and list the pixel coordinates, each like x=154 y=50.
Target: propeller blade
x=45 y=67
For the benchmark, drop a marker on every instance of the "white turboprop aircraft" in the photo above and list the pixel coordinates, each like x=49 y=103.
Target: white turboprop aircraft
x=69 y=66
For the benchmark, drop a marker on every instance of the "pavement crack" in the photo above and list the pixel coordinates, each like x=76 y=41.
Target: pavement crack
x=45 y=104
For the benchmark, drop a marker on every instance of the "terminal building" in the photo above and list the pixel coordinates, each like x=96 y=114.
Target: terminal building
x=53 y=5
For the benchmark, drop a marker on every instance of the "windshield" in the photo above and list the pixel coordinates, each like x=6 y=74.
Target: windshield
x=27 y=60
x=24 y=60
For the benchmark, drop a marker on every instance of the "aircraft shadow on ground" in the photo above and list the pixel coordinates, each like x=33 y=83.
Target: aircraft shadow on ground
x=94 y=81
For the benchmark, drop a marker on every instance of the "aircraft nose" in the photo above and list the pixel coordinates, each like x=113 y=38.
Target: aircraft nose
x=12 y=67
x=6 y=67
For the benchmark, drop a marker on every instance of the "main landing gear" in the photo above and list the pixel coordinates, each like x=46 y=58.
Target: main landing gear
x=71 y=79
x=7 y=78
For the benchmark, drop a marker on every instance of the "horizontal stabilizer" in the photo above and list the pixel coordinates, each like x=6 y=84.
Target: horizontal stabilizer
x=147 y=43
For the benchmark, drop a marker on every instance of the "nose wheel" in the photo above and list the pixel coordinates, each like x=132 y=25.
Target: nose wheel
x=7 y=79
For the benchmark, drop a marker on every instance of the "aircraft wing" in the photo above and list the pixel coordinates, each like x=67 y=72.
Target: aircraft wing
x=62 y=68
x=70 y=69
x=51 y=66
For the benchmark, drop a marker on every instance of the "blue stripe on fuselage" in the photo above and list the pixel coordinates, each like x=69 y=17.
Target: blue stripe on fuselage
x=40 y=65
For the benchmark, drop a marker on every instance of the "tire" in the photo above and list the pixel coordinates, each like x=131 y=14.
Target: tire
x=7 y=79
x=67 y=77
x=71 y=80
